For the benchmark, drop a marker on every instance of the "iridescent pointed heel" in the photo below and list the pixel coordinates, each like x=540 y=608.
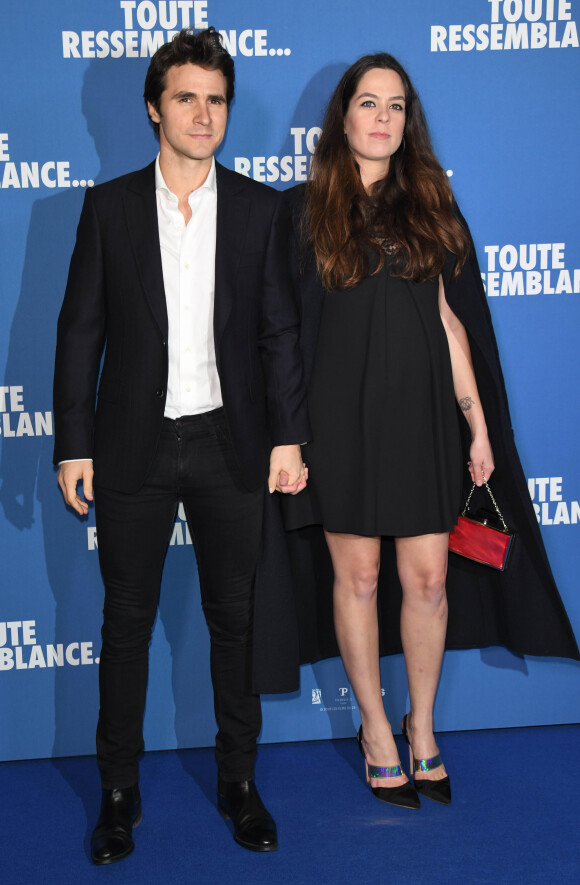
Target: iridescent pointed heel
x=437 y=791
x=403 y=795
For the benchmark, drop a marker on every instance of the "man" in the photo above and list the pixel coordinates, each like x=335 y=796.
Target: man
x=179 y=274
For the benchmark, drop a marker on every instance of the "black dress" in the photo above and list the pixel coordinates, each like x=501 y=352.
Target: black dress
x=519 y=608
x=386 y=454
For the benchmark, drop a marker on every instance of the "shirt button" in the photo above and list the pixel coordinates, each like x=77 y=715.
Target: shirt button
x=187 y=266
x=159 y=392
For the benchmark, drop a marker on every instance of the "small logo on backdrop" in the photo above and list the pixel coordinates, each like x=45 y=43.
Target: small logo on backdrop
x=20 y=649
x=529 y=269
x=15 y=421
x=513 y=24
x=343 y=702
x=145 y=26
x=549 y=504
x=292 y=167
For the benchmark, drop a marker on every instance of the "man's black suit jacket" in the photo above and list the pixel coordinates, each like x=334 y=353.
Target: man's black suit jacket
x=115 y=301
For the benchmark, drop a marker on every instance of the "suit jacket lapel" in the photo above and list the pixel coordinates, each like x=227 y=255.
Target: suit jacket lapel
x=232 y=214
x=141 y=213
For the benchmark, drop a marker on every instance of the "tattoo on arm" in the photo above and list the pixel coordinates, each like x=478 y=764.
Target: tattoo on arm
x=465 y=403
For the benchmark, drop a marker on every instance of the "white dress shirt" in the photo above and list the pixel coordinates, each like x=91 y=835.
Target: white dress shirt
x=188 y=261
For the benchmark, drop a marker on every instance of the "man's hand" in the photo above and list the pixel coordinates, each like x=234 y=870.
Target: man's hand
x=287 y=471
x=70 y=473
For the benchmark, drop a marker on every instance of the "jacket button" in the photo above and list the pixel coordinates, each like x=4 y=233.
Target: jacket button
x=159 y=392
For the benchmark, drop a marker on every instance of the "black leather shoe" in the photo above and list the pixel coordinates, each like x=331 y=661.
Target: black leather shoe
x=112 y=839
x=254 y=826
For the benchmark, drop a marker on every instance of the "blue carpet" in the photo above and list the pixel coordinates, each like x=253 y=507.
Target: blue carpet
x=514 y=818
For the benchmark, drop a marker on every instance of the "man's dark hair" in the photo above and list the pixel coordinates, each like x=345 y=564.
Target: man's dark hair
x=203 y=48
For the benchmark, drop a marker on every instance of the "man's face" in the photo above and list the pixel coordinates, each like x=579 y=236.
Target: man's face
x=192 y=113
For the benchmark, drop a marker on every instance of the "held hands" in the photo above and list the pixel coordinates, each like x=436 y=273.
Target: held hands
x=70 y=473
x=287 y=471
x=482 y=464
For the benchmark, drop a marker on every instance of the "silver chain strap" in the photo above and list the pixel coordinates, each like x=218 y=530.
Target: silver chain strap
x=497 y=510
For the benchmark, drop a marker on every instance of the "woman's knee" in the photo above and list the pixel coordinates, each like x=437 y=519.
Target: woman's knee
x=427 y=587
x=360 y=582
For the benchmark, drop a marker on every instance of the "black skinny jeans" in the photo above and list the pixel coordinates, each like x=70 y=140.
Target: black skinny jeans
x=194 y=463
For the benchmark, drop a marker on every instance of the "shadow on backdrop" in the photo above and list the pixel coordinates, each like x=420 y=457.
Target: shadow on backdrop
x=117 y=121
x=311 y=105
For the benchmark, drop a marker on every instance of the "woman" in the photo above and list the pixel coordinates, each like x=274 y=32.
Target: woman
x=387 y=359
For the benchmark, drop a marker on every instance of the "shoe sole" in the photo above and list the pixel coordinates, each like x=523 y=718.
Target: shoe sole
x=110 y=860
x=259 y=848
x=426 y=795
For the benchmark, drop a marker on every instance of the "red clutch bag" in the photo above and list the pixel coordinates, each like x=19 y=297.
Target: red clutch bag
x=475 y=538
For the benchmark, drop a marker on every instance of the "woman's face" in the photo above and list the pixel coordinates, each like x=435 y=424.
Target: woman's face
x=375 y=121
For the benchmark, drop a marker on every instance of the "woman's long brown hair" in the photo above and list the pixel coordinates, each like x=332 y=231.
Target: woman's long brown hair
x=410 y=211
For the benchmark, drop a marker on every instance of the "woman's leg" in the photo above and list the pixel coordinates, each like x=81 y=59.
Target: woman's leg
x=422 y=567
x=356 y=562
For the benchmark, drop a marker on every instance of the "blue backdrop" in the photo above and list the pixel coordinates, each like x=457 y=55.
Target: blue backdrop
x=496 y=79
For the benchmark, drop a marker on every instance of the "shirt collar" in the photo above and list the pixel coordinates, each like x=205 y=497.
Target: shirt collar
x=210 y=182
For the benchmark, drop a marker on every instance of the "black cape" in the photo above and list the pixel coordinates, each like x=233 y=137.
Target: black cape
x=519 y=608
